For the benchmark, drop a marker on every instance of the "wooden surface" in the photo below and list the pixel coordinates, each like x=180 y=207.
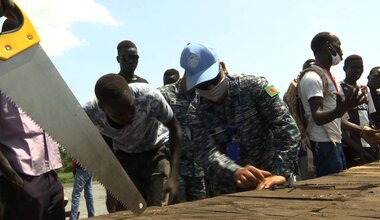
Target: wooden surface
x=353 y=194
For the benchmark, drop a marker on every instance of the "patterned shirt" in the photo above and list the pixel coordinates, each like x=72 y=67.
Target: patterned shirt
x=249 y=115
x=179 y=102
x=147 y=131
x=26 y=146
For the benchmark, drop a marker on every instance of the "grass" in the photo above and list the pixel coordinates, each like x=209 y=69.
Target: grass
x=66 y=177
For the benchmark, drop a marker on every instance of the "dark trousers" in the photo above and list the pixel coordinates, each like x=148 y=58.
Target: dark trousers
x=40 y=198
x=149 y=172
x=328 y=158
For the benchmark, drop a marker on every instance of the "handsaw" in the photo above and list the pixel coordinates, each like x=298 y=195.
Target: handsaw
x=31 y=81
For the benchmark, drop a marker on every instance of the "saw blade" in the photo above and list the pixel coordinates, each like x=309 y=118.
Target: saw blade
x=31 y=81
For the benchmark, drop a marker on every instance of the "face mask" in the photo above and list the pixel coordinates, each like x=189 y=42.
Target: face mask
x=335 y=59
x=216 y=93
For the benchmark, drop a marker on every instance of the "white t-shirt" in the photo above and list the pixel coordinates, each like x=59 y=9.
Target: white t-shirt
x=311 y=86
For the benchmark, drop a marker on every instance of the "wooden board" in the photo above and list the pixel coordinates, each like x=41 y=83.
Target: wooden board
x=353 y=194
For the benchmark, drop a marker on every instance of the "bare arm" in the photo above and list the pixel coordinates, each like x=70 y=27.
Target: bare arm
x=175 y=140
x=370 y=135
x=321 y=117
x=364 y=155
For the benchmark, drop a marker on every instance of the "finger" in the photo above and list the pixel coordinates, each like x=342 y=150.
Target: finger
x=239 y=184
x=256 y=173
x=261 y=185
x=265 y=173
x=244 y=183
x=356 y=90
x=248 y=180
x=349 y=92
x=361 y=98
x=339 y=98
x=267 y=184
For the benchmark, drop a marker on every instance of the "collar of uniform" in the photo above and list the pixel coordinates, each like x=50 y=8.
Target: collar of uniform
x=233 y=86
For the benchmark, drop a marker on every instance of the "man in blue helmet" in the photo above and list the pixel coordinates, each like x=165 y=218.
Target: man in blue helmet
x=243 y=134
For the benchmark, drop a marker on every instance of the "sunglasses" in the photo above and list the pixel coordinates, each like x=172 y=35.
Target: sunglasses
x=130 y=57
x=212 y=82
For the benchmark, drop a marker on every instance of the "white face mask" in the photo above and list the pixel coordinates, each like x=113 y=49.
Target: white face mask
x=216 y=93
x=335 y=59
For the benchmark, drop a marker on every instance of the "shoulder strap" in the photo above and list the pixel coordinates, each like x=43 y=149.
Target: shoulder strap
x=324 y=85
x=320 y=73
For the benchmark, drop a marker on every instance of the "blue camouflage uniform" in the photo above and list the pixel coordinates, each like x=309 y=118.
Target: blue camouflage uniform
x=191 y=183
x=252 y=124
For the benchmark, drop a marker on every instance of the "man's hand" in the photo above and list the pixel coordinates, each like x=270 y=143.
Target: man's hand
x=352 y=99
x=171 y=187
x=365 y=157
x=372 y=136
x=249 y=177
x=271 y=181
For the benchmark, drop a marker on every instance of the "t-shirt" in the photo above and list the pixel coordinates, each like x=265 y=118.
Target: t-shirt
x=146 y=132
x=311 y=86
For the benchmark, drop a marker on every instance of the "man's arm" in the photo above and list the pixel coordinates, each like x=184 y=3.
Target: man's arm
x=175 y=140
x=370 y=135
x=276 y=118
x=351 y=100
x=364 y=155
x=206 y=154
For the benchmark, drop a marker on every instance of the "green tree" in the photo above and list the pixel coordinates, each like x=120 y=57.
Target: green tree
x=66 y=161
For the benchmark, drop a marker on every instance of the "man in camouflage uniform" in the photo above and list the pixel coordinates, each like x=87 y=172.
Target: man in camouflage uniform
x=191 y=183
x=243 y=134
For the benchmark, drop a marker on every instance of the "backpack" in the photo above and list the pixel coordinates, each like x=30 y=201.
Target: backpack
x=293 y=101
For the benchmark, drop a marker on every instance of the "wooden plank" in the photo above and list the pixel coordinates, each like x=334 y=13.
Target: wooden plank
x=353 y=194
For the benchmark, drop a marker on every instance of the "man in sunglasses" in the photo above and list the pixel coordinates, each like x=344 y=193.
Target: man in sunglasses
x=128 y=59
x=243 y=134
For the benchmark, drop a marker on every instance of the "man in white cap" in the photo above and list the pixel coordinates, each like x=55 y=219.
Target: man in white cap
x=243 y=134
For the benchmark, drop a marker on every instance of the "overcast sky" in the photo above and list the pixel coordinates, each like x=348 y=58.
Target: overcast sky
x=269 y=38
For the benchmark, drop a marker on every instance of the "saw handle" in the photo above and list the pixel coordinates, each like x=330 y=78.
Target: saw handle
x=18 y=33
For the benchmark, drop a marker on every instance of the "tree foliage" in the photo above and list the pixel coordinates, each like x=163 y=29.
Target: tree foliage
x=66 y=161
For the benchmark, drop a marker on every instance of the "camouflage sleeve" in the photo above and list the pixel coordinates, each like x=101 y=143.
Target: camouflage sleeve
x=276 y=117
x=160 y=107
x=165 y=92
x=206 y=154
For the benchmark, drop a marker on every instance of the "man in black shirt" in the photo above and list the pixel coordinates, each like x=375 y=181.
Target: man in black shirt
x=128 y=59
